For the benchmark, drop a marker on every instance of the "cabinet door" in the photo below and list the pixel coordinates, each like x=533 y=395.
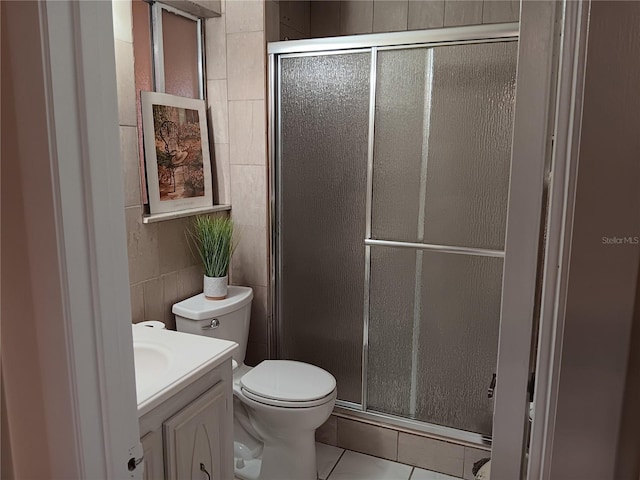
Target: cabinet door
x=194 y=437
x=153 y=461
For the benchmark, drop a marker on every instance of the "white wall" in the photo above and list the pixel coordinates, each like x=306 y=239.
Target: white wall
x=602 y=277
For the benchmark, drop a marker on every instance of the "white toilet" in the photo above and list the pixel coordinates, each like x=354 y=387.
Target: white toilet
x=277 y=405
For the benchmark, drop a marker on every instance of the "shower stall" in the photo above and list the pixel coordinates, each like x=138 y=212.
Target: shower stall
x=390 y=179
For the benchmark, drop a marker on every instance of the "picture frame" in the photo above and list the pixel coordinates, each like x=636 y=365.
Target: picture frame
x=176 y=151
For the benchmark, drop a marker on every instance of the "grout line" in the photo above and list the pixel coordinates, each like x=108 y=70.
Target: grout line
x=248 y=31
x=406 y=27
x=413 y=467
x=373 y=16
x=305 y=36
x=336 y=464
x=444 y=13
x=226 y=86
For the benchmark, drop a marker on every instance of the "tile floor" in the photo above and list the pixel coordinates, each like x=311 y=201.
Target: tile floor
x=339 y=464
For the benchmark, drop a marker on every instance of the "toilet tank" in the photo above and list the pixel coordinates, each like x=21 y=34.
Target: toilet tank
x=198 y=315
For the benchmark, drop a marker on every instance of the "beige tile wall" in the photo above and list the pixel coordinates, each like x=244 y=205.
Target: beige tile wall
x=326 y=19
x=272 y=20
x=236 y=81
x=162 y=269
x=366 y=438
x=431 y=454
x=349 y=17
x=328 y=431
x=295 y=19
x=413 y=449
x=471 y=456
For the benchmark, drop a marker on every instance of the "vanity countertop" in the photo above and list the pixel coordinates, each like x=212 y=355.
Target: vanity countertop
x=167 y=361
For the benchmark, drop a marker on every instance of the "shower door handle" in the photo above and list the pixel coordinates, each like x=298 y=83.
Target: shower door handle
x=492 y=386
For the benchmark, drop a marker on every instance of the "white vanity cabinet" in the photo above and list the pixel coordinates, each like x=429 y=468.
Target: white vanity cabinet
x=153 y=458
x=193 y=438
x=189 y=436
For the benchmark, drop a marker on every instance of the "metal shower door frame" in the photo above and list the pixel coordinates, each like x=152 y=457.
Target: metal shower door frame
x=363 y=44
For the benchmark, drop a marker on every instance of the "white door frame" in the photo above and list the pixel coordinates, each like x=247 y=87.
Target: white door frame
x=95 y=351
x=553 y=38
x=86 y=158
x=562 y=188
x=533 y=128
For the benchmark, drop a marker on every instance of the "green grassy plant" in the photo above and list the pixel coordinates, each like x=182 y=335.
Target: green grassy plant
x=214 y=241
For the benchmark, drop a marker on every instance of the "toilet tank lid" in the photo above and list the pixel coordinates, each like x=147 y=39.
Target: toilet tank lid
x=200 y=308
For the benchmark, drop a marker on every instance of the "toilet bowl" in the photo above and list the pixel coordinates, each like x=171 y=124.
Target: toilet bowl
x=277 y=406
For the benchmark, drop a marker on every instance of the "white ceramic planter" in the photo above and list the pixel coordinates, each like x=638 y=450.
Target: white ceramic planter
x=215 y=288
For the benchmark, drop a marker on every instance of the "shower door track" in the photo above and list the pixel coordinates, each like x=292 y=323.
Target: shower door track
x=349 y=44
x=434 y=37
x=353 y=411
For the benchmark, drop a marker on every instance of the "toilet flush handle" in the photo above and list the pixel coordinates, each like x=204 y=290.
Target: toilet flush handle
x=215 y=323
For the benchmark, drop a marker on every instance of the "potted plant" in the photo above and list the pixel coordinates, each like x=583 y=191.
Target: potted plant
x=214 y=240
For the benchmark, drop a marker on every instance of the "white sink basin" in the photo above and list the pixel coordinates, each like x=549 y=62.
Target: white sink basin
x=150 y=361
x=167 y=361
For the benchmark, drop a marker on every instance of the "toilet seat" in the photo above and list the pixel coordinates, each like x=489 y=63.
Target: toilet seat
x=284 y=403
x=286 y=383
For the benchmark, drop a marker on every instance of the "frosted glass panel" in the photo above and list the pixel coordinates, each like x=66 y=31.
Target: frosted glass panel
x=401 y=117
x=180 y=45
x=391 y=313
x=324 y=128
x=453 y=320
x=470 y=132
x=442 y=146
x=458 y=339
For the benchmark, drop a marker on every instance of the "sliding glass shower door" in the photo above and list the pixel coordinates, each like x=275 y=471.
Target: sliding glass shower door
x=442 y=142
x=324 y=117
x=392 y=175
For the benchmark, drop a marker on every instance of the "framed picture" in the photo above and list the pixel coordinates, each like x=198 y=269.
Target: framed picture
x=176 y=150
